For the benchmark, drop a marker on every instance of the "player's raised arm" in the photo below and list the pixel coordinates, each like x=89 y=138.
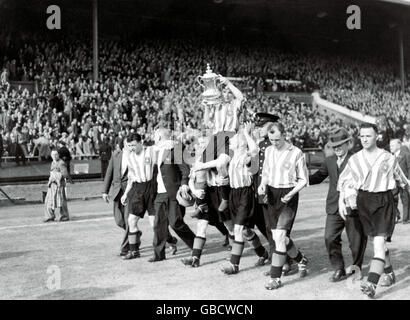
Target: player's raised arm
x=235 y=91
x=253 y=148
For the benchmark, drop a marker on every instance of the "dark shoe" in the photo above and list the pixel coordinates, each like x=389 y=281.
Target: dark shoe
x=302 y=267
x=352 y=271
x=262 y=260
x=231 y=269
x=187 y=261
x=286 y=269
x=191 y=261
x=368 y=289
x=173 y=247
x=123 y=253
x=195 y=263
x=154 y=259
x=273 y=284
x=388 y=280
x=339 y=275
x=48 y=220
x=226 y=241
x=131 y=255
x=62 y=219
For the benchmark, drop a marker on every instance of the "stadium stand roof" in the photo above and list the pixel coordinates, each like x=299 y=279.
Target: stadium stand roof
x=325 y=19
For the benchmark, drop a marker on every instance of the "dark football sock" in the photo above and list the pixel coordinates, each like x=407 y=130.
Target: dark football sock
x=236 y=253
x=293 y=252
x=256 y=244
x=132 y=239
x=199 y=244
x=376 y=269
x=388 y=268
x=278 y=260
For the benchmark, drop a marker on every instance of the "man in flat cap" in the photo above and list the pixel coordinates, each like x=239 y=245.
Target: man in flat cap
x=335 y=223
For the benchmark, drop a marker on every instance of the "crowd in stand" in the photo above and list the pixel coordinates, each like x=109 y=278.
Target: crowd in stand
x=152 y=83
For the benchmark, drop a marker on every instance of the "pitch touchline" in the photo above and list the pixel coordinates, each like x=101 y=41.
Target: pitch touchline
x=57 y=223
x=97 y=219
x=312 y=200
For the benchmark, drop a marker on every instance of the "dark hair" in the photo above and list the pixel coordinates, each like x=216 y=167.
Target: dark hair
x=279 y=126
x=133 y=137
x=367 y=125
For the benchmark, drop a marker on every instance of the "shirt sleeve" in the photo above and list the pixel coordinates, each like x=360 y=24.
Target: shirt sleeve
x=302 y=173
x=266 y=167
x=347 y=181
x=131 y=172
x=399 y=176
x=237 y=105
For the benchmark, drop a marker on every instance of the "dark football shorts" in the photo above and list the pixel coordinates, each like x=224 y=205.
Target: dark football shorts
x=141 y=199
x=281 y=215
x=376 y=213
x=213 y=199
x=241 y=202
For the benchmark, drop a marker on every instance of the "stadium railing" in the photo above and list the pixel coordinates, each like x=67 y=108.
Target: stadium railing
x=89 y=167
x=37 y=158
x=344 y=113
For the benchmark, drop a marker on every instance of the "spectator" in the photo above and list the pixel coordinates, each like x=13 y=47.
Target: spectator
x=14 y=150
x=105 y=154
x=64 y=154
x=1 y=143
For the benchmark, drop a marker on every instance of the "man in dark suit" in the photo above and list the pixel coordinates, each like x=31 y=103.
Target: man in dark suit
x=116 y=179
x=403 y=158
x=172 y=175
x=335 y=223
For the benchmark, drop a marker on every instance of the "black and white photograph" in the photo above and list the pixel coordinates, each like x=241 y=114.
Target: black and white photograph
x=208 y=153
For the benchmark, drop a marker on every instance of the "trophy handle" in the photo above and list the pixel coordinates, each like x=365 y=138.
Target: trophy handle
x=198 y=79
x=219 y=83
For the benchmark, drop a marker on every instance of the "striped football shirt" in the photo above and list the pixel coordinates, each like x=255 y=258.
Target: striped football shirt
x=226 y=116
x=240 y=174
x=141 y=166
x=284 y=168
x=211 y=178
x=380 y=176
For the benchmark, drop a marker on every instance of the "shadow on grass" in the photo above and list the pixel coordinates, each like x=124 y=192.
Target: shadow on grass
x=90 y=217
x=15 y=254
x=90 y=293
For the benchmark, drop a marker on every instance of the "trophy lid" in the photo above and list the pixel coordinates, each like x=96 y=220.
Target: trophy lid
x=209 y=74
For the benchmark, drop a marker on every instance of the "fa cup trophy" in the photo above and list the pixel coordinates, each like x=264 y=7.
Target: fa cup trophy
x=211 y=94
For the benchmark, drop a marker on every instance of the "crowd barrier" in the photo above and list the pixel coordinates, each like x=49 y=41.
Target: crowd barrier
x=349 y=116
x=35 y=170
x=90 y=168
